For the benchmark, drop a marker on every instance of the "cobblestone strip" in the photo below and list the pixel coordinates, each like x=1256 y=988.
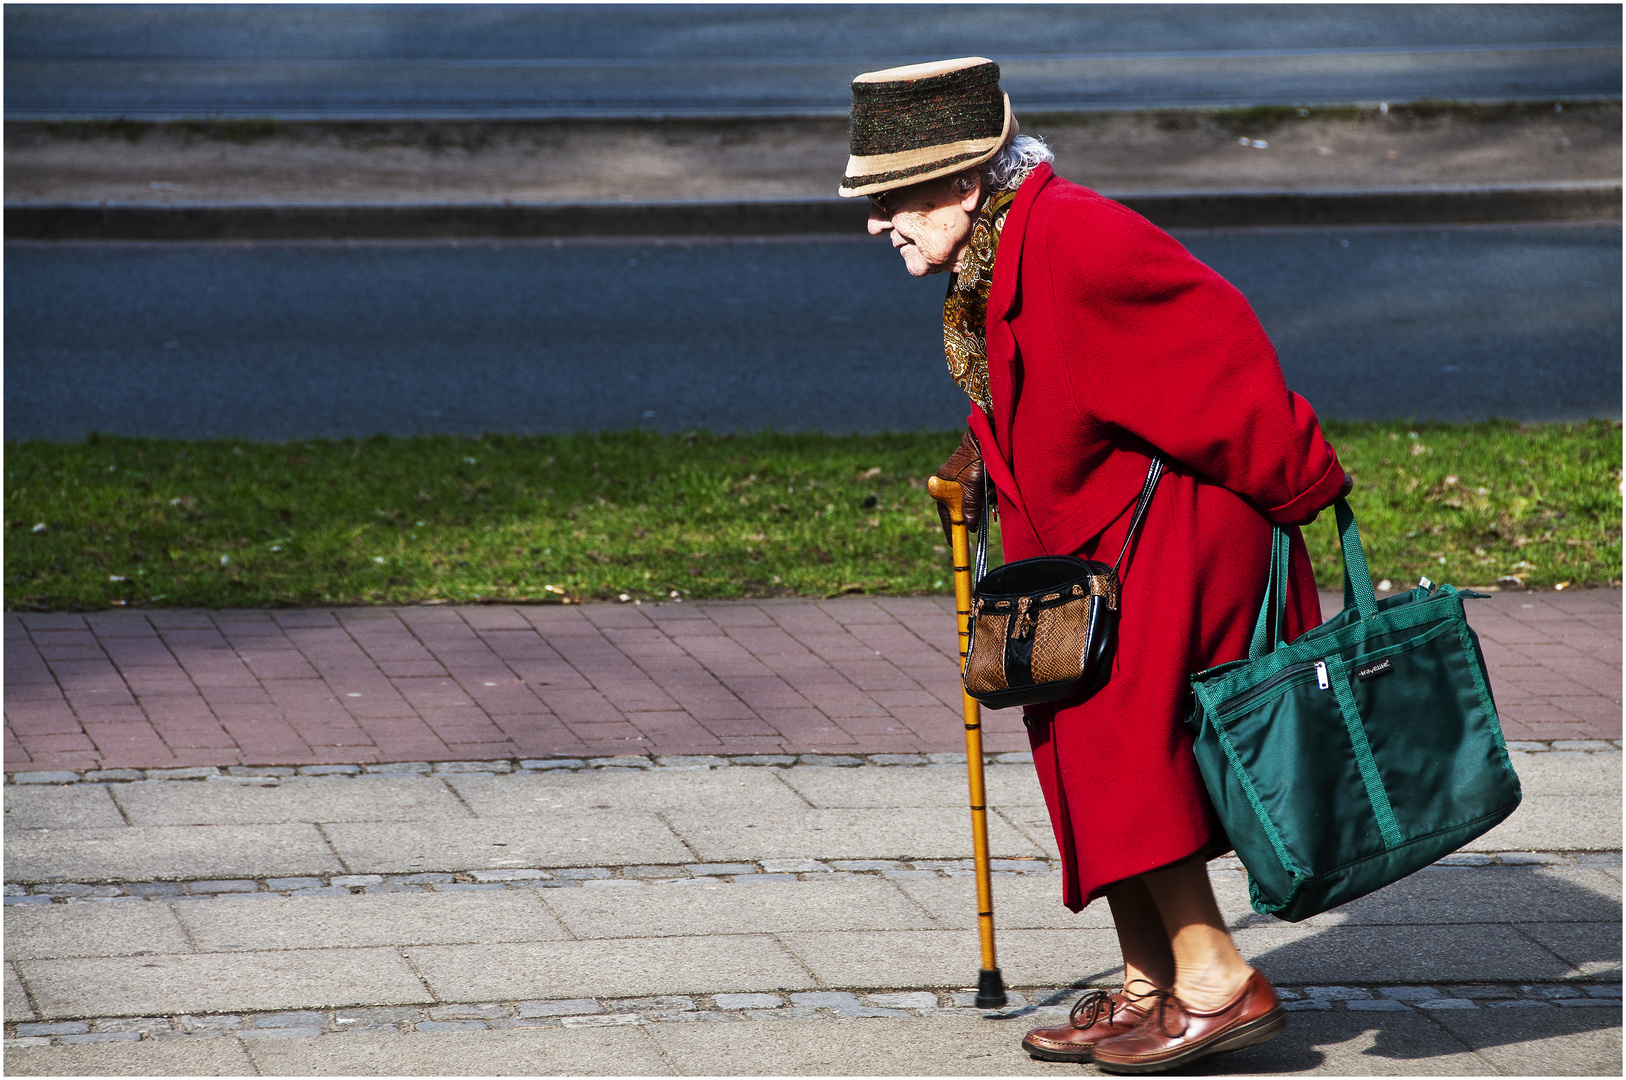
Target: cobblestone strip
x=742 y=873
x=627 y=761
x=1042 y=1004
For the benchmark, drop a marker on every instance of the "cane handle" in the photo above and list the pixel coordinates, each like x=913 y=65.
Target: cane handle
x=948 y=493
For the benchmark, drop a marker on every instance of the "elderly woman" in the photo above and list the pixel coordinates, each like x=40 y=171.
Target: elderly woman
x=1088 y=340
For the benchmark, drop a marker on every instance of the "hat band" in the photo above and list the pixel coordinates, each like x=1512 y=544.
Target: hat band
x=863 y=168
x=931 y=170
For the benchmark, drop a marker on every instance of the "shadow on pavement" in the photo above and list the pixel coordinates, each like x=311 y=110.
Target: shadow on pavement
x=1509 y=925
x=1482 y=932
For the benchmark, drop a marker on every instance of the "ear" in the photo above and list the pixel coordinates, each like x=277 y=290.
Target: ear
x=973 y=197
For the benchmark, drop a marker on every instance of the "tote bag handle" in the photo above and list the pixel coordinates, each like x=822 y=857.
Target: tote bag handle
x=1357 y=579
x=1267 y=629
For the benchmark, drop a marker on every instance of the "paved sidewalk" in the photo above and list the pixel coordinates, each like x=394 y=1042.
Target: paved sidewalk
x=705 y=917
x=178 y=689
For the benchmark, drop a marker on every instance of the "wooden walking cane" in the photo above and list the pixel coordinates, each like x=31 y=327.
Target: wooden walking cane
x=990 y=984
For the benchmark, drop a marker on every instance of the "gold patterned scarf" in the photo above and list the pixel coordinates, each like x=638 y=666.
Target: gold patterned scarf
x=965 y=309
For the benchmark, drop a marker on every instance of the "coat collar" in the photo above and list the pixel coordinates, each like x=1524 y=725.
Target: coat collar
x=1002 y=293
x=1001 y=297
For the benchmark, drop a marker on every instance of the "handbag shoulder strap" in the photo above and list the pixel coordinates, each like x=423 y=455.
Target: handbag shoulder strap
x=981 y=566
x=1154 y=473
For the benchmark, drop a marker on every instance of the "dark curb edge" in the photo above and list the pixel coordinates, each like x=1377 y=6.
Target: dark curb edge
x=921 y=1002
x=809 y=217
x=22 y=775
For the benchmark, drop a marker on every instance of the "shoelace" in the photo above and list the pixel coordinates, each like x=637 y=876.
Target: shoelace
x=1087 y=1010
x=1158 y=1013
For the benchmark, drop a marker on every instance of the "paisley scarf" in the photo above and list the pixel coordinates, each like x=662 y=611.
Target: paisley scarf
x=965 y=309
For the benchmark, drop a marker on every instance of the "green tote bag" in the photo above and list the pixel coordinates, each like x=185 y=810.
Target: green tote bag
x=1361 y=752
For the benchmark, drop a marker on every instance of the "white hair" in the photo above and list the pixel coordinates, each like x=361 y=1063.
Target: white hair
x=1006 y=170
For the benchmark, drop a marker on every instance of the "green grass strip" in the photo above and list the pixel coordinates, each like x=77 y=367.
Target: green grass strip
x=598 y=516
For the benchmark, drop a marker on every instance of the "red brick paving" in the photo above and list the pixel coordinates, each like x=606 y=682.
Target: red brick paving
x=359 y=685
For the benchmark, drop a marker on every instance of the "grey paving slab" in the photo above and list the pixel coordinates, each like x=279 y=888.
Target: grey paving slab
x=898 y=833
x=700 y=906
x=932 y=785
x=574 y=969
x=1568 y=773
x=214 y=982
x=1231 y=890
x=388 y=919
x=1486 y=895
x=1541 y=1042
x=271 y=801
x=720 y=791
x=1020 y=901
x=1008 y=785
x=949 y=958
x=961 y=1046
x=592 y=1051
x=16 y=998
x=1033 y=822
x=1295 y=953
x=40 y=931
x=1340 y=1044
x=550 y=838
x=171 y=852
x=71 y=806
x=169 y=1057
x=1594 y=948
x=1441 y=896
x=1354 y=1044
x=1557 y=823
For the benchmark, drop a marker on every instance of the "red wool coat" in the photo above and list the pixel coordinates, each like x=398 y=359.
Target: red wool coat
x=1107 y=340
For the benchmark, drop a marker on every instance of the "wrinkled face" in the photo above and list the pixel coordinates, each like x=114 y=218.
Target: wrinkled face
x=930 y=223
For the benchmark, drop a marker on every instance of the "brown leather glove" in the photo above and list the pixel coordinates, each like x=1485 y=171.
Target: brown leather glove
x=964 y=467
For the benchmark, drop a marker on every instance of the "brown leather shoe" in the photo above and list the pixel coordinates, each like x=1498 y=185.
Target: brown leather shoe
x=1174 y=1034
x=1095 y=1016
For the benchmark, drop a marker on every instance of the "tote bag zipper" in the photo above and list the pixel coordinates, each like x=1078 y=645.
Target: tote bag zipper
x=1296 y=673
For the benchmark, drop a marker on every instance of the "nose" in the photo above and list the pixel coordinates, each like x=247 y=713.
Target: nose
x=879 y=223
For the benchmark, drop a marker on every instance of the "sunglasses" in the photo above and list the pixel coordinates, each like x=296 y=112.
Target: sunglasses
x=878 y=200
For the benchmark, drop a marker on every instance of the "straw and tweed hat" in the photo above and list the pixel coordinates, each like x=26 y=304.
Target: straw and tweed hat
x=916 y=123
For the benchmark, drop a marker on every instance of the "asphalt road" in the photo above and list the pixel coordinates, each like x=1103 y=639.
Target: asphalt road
x=276 y=341
x=510 y=61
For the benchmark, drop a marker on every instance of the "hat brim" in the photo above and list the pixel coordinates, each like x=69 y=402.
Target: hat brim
x=887 y=172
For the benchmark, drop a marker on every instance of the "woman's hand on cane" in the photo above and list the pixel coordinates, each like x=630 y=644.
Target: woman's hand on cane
x=964 y=467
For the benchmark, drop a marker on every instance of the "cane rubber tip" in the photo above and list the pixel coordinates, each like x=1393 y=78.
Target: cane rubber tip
x=990 y=989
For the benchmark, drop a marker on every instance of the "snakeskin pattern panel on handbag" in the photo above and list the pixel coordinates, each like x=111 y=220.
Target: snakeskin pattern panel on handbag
x=1060 y=640
x=985 y=667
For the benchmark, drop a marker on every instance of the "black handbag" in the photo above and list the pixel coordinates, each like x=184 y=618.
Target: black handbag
x=1044 y=629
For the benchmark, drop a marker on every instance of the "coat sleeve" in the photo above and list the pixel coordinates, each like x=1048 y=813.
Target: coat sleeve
x=1166 y=350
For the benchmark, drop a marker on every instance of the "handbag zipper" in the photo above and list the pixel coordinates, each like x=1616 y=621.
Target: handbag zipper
x=1321 y=675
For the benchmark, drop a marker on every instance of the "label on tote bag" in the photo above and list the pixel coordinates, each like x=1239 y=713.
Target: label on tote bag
x=1372 y=671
